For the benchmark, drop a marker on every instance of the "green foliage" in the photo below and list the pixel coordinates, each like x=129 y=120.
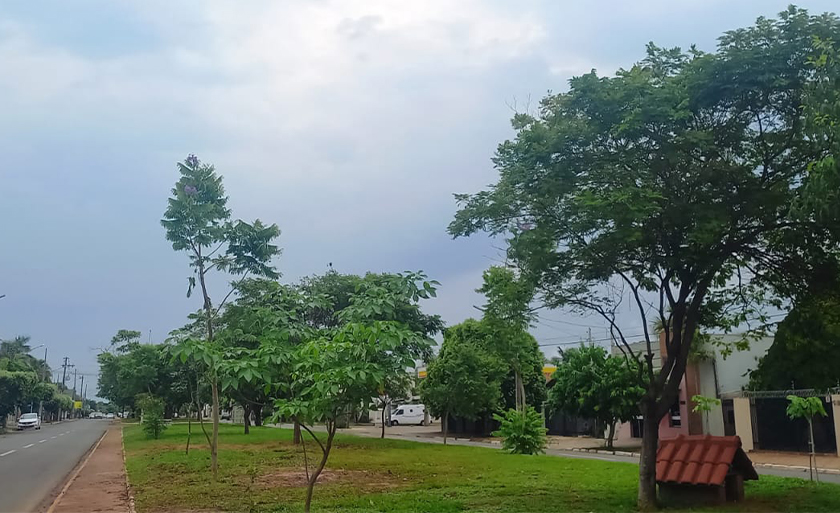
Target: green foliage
x=806 y=347
x=484 y=335
x=522 y=432
x=805 y=407
x=703 y=403
x=671 y=181
x=822 y=109
x=592 y=384
x=130 y=368
x=463 y=381
x=152 y=415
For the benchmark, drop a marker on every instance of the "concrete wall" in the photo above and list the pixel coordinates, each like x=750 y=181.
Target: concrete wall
x=743 y=422
x=713 y=420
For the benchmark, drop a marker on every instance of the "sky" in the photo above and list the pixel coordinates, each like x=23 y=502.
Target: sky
x=348 y=123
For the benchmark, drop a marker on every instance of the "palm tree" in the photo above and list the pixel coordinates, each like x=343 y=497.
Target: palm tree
x=15 y=347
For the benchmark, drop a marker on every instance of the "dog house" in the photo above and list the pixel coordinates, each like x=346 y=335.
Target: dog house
x=702 y=470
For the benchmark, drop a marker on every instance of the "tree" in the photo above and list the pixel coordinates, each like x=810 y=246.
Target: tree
x=590 y=383
x=464 y=381
x=508 y=313
x=806 y=347
x=822 y=111
x=197 y=221
x=483 y=335
x=344 y=367
x=704 y=405
x=152 y=418
x=670 y=185
x=522 y=432
x=807 y=408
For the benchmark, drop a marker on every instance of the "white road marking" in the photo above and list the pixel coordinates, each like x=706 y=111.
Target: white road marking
x=61 y=434
x=7 y=453
x=42 y=441
x=28 y=446
x=52 y=437
x=67 y=432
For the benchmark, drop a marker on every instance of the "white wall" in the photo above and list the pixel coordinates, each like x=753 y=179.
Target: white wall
x=732 y=371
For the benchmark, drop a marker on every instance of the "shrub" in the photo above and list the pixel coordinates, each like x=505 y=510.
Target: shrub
x=522 y=433
x=152 y=415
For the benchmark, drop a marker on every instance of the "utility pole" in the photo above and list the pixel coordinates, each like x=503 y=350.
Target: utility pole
x=75 y=375
x=81 y=388
x=64 y=372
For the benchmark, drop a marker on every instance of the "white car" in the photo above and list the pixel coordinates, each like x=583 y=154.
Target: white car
x=109 y=416
x=29 y=420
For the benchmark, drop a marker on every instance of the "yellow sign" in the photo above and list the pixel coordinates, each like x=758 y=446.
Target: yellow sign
x=421 y=374
x=77 y=405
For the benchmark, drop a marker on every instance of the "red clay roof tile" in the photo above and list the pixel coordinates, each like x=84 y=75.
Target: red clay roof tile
x=701 y=459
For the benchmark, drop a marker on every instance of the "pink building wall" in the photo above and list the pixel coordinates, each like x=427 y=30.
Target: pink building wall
x=624 y=431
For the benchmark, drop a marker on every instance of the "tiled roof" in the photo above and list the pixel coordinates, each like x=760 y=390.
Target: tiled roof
x=701 y=459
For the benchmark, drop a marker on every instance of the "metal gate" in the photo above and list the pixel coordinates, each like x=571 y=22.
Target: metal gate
x=773 y=430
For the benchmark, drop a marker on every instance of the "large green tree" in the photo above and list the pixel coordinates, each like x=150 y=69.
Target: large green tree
x=463 y=381
x=198 y=222
x=671 y=185
x=590 y=383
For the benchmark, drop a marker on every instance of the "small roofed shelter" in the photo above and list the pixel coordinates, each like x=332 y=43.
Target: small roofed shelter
x=702 y=470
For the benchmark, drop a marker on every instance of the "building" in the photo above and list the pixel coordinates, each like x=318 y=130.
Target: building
x=709 y=373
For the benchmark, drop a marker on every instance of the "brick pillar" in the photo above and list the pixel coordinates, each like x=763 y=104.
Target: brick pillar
x=835 y=408
x=743 y=422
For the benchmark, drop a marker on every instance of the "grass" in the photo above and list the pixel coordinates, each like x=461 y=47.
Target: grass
x=263 y=472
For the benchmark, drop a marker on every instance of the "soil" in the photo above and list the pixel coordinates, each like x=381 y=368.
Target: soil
x=101 y=485
x=290 y=478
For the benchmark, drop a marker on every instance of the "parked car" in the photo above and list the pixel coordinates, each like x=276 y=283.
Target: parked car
x=109 y=416
x=29 y=420
x=409 y=414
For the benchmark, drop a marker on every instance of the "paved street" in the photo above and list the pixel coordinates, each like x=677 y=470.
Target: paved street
x=34 y=463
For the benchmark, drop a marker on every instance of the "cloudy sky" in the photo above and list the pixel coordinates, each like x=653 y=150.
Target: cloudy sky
x=348 y=123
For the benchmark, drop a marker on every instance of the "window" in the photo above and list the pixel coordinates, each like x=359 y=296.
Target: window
x=411 y=410
x=29 y=416
x=675 y=417
x=399 y=412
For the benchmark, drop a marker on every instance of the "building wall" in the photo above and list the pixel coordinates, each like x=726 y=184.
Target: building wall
x=733 y=371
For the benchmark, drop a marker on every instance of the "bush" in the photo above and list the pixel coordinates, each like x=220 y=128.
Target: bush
x=522 y=433
x=152 y=416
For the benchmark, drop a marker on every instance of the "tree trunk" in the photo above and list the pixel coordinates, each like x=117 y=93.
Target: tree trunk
x=258 y=415
x=189 y=429
x=519 y=394
x=214 y=445
x=296 y=435
x=813 y=451
x=611 y=436
x=445 y=419
x=647 y=462
x=247 y=419
x=314 y=477
x=382 y=435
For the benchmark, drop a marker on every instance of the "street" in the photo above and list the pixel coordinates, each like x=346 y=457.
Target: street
x=34 y=463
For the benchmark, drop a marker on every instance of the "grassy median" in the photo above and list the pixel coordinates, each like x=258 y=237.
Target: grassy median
x=263 y=471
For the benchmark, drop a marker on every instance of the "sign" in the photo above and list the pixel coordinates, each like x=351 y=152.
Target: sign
x=421 y=374
x=77 y=405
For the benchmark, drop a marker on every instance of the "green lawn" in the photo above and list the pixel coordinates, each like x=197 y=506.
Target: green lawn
x=263 y=472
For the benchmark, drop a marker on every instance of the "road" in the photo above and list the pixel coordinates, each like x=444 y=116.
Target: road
x=34 y=463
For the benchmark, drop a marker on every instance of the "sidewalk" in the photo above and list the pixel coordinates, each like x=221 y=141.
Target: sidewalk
x=99 y=483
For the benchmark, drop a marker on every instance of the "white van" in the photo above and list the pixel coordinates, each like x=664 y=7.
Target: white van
x=408 y=414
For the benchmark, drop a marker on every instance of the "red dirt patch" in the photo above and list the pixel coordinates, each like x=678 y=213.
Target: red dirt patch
x=292 y=478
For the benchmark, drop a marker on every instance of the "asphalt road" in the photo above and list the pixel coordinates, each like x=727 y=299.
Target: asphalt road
x=33 y=464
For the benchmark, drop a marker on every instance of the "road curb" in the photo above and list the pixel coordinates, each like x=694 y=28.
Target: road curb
x=131 y=508
x=795 y=468
x=75 y=474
